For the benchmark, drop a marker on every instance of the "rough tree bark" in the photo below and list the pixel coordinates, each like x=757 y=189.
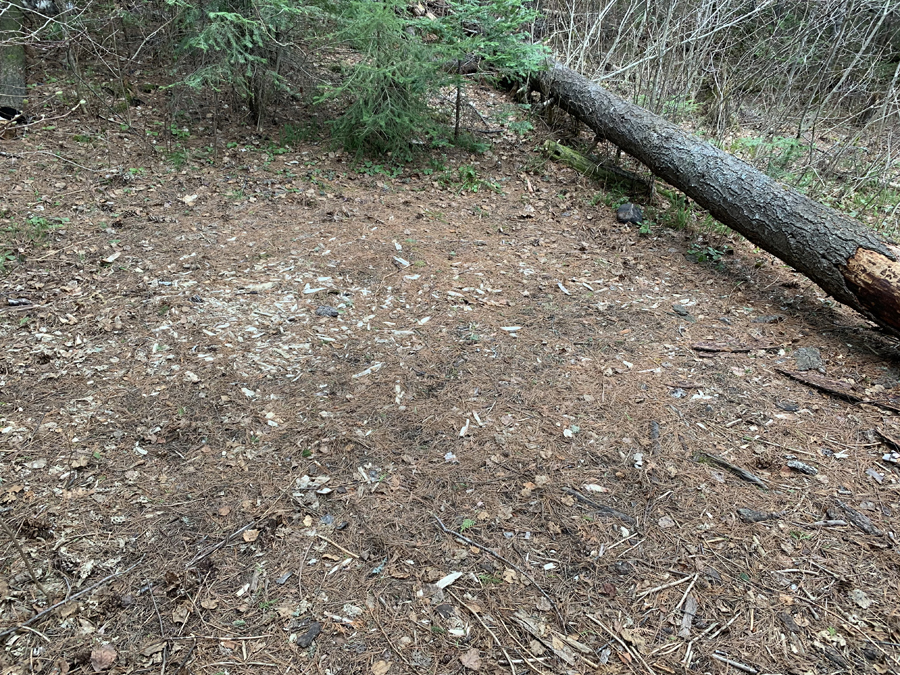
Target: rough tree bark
x=12 y=57
x=850 y=262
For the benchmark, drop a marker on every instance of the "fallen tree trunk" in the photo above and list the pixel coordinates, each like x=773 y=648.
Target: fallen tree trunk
x=850 y=262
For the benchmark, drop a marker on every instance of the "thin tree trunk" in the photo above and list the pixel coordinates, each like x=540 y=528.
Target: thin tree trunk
x=12 y=56
x=852 y=263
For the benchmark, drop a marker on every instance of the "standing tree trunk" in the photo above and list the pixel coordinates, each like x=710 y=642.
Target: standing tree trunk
x=849 y=261
x=12 y=56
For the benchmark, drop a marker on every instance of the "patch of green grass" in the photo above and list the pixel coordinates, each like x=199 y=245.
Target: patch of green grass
x=293 y=134
x=467 y=179
x=488 y=579
x=612 y=197
x=704 y=254
x=179 y=156
x=370 y=168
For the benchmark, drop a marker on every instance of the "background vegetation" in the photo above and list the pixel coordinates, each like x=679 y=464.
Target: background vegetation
x=807 y=91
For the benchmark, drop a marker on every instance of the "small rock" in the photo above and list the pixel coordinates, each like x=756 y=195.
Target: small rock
x=311 y=634
x=681 y=310
x=326 y=310
x=629 y=213
x=787 y=406
x=191 y=377
x=772 y=318
x=872 y=473
x=797 y=465
x=808 y=358
x=789 y=622
x=751 y=516
x=623 y=568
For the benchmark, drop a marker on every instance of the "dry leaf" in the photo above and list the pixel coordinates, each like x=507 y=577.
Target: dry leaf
x=860 y=598
x=209 y=603
x=224 y=511
x=509 y=576
x=153 y=648
x=102 y=657
x=380 y=667
x=251 y=535
x=181 y=612
x=633 y=638
x=471 y=660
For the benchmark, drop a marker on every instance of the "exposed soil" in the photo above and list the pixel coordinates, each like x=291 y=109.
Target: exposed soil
x=246 y=406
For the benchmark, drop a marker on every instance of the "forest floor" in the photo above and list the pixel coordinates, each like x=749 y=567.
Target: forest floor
x=249 y=408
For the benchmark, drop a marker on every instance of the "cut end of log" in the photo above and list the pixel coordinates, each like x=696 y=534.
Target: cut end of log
x=875 y=281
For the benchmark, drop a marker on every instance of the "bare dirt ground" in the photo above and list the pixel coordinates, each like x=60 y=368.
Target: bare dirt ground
x=248 y=408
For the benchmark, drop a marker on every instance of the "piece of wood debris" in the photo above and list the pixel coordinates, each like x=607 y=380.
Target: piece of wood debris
x=602 y=509
x=743 y=474
x=751 y=516
x=690 y=611
x=859 y=520
x=729 y=348
x=845 y=390
x=734 y=664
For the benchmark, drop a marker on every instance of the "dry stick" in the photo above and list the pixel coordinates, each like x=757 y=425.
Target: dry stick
x=684 y=597
x=664 y=586
x=602 y=509
x=59 y=604
x=184 y=660
x=162 y=631
x=220 y=637
x=527 y=662
x=391 y=644
x=215 y=547
x=337 y=546
x=493 y=635
x=499 y=557
x=735 y=664
x=34 y=431
x=15 y=541
x=621 y=642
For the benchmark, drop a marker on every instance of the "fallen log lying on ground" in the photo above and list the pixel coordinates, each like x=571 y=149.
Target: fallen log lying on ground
x=850 y=262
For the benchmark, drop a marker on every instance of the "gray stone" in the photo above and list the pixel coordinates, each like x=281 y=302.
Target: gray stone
x=808 y=358
x=629 y=213
x=326 y=310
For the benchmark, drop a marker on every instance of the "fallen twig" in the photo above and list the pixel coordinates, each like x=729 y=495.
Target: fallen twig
x=184 y=660
x=493 y=635
x=215 y=547
x=734 y=664
x=15 y=542
x=499 y=557
x=677 y=582
x=615 y=637
x=861 y=521
x=729 y=348
x=602 y=509
x=733 y=468
x=59 y=604
x=337 y=546
x=843 y=390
